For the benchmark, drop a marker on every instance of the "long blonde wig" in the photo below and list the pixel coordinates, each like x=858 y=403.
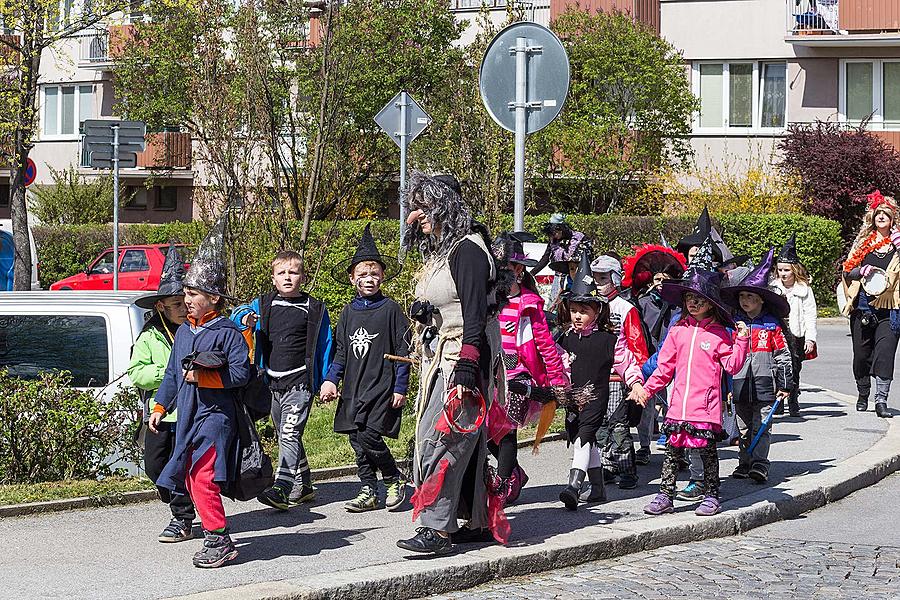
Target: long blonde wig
x=868 y=225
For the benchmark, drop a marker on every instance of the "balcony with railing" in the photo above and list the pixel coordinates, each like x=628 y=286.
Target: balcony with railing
x=866 y=23
x=165 y=150
x=100 y=47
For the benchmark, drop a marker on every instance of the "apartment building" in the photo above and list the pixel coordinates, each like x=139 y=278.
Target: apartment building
x=758 y=65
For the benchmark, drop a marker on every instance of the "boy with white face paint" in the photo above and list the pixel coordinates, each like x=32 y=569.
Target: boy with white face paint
x=371 y=402
x=615 y=437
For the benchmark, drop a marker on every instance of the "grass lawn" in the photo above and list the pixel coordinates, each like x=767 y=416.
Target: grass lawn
x=324 y=447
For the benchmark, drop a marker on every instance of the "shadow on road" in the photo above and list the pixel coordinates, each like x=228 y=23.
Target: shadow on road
x=308 y=542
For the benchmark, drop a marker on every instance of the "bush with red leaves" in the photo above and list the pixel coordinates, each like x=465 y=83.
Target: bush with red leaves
x=837 y=167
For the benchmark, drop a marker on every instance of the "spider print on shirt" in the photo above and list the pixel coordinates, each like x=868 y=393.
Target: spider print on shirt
x=360 y=342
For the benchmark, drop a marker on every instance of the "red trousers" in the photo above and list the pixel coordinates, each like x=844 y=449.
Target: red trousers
x=204 y=491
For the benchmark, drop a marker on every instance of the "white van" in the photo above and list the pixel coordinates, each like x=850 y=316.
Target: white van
x=6 y=255
x=89 y=334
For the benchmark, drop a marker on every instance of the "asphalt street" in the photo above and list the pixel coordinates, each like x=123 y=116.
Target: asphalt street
x=112 y=553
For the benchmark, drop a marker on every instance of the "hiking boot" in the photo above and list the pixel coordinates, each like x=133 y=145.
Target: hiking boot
x=275 y=497
x=596 y=490
x=363 y=502
x=300 y=495
x=662 y=441
x=882 y=410
x=177 y=530
x=396 y=493
x=660 y=504
x=759 y=473
x=428 y=541
x=627 y=482
x=218 y=549
x=569 y=494
x=517 y=481
x=692 y=492
x=642 y=456
x=741 y=472
x=709 y=507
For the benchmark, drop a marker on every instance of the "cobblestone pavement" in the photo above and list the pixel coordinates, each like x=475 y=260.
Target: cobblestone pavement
x=738 y=568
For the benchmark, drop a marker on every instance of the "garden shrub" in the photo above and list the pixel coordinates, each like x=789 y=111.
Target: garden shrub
x=50 y=430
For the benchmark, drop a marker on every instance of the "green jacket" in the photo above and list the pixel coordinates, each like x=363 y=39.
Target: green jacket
x=149 y=357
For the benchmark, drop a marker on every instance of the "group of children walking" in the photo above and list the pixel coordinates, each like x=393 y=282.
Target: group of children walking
x=691 y=336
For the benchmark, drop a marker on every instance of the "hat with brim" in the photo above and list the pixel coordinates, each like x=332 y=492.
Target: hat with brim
x=647 y=261
x=366 y=251
x=583 y=288
x=700 y=282
x=171 y=281
x=757 y=282
x=509 y=248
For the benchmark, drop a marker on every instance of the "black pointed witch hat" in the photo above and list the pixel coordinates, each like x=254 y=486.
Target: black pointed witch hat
x=788 y=252
x=698 y=235
x=366 y=250
x=722 y=253
x=583 y=288
x=757 y=281
x=170 y=281
x=208 y=271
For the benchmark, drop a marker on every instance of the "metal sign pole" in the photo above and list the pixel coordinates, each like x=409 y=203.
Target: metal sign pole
x=521 y=51
x=404 y=141
x=115 y=157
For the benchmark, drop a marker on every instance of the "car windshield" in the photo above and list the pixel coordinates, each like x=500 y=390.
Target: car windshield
x=32 y=344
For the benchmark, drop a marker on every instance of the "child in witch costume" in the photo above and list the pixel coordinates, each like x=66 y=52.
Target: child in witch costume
x=766 y=377
x=149 y=358
x=615 y=436
x=374 y=391
x=207 y=366
x=696 y=351
x=530 y=360
x=792 y=281
x=460 y=342
x=644 y=273
x=593 y=352
x=290 y=334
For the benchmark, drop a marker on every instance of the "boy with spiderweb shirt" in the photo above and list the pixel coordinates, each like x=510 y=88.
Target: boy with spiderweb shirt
x=374 y=391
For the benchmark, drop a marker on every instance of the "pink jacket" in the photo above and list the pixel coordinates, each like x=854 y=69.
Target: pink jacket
x=536 y=348
x=697 y=352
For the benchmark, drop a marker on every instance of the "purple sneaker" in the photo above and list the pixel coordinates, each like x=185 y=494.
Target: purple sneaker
x=661 y=504
x=709 y=507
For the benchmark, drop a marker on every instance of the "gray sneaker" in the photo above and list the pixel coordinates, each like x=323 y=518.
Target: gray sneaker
x=301 y=494
x=177 y=531
x=396 y=493
x=363 y=502
x=218 y=549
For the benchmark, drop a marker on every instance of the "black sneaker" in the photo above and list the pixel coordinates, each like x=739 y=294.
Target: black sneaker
x=363 y=502
x=759 y=473
x=427 y=541
x=275 y=497
x=177 y=531
x=642 y=456
x=741 y=472
x=396 y=493
x=218 y=549
x=300 y=495
x=692 y=492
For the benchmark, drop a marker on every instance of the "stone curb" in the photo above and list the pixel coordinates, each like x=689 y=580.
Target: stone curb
x=417 y=578
x=33 y=508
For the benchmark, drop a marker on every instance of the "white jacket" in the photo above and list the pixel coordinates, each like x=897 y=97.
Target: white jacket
x=802 y=320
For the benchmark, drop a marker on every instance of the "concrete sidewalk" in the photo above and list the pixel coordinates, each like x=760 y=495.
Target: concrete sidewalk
x=321 y=551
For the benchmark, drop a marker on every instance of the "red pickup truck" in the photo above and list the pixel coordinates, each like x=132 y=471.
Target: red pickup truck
x=139 y=269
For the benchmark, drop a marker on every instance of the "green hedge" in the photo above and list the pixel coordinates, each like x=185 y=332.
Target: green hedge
x=64 y=251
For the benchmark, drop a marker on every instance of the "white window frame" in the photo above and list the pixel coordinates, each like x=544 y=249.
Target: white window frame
x=877 y=123
x=756 y=99
x=77 y=108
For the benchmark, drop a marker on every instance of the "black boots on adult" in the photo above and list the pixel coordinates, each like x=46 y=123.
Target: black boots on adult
x=882 y=410
x=569 y=494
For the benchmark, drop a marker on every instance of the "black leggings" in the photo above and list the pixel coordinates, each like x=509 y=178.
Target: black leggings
x=505 y=452
x=675 y=455
x=874 y=347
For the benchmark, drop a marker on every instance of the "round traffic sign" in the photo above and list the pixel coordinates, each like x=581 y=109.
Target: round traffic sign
x=547 y=76
x=30 y=172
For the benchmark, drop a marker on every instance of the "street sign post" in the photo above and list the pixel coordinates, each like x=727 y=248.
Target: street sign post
x=403 y=120
x=114 y=144
x=524 y=81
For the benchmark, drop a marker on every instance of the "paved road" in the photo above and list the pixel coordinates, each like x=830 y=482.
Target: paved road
x=846 y=550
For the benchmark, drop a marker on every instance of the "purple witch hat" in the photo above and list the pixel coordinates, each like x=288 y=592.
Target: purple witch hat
x=757 y=281
x=699 y=279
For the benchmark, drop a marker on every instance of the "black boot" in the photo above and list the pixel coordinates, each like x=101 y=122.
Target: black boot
x=882 y=411
x=794 y=404
x=570 y=493
x=862 y=403
x=596 y=491
x=863 y=386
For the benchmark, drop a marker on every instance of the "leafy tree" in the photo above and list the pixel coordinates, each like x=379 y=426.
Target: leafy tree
x=628 y=112
x=75 y=200
x=837 y=167
x=37 y=26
